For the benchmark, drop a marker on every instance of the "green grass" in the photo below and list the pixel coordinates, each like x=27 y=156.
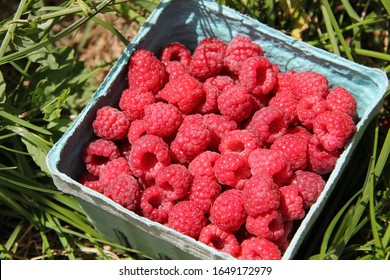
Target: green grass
x=44 y=85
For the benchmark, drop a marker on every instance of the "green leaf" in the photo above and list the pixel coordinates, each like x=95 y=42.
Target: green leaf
x=23 y=123
x=37 y=154
x=3 y=96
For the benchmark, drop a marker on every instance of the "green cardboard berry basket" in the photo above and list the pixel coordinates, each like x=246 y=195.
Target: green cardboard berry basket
x=189 y=21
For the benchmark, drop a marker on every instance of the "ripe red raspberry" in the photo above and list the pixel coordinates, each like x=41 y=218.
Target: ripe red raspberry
x=268 y=225
x=175 y=69
x=238 y=50
x=137 y=128
x=89 y=180
x=97 y=153
x=207 y=59
x=203 y=192
x=187 y=218
x=133 y=101
x=110 y=124
x=293 y=148
x=112 y=170
x=192 y=138
x=220 y=240
x=124 y=190
x=309 y=83
x=235 y=102
x=268 y=124
x=146 y=70
x=154 y=205
x=321 y=161
x=228 y=211
x=203 y=164
x=185 y=92
x=257 y=75
x=162 y=119
x=149 y=155
x=291 y=203
x=286 y=100
x=220 y=125
x=260 y=195
x=309 y=108
x=255 y=248
x=341 y=99
x=333 y=129
x=176 y=52
x=242 y=142
x=271 y=163
x=232 y=170
x=212 y=88
x=175 y=181
x=309 y=184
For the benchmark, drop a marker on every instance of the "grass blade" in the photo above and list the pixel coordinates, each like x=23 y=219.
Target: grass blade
x=329 y=28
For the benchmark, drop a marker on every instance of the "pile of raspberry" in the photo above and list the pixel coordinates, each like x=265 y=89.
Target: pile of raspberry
x=219 y=144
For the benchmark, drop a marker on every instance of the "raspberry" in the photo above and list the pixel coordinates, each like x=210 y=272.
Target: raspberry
x=341 y=99
x=192 y=138
x=133 y=101
x=228 y=211
x=257 y=75
x=271 y=163
x=213 y=87
x=124 y=148
x=291 y=203
x=220 y=240
x=309 y=83
x=255 y=248
x=207 y=59
x=242 y=142
x=154 y=205
x=97 y=153
x=310 y=186
x=333 y=129
x=149 y=155
x=175 y=181
x=268 y=124
x=293 y=148
x=112 y=170
x=176 y=52
x=124 y=190
x=286 y=100
x=203 y=192
x=309 y=108
x=235 y=102
x=145 y=70
x=203 y=164
x=238 y=50
x=260 y=195
x=232 y=170
x=89 y=180
x=110 y=124
x=220 y=125
x=175 y=69
x=136 y=130
x=185 y=92
x=162 y=119
x=321 y=161
x=187 y=218
x=268 y=225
